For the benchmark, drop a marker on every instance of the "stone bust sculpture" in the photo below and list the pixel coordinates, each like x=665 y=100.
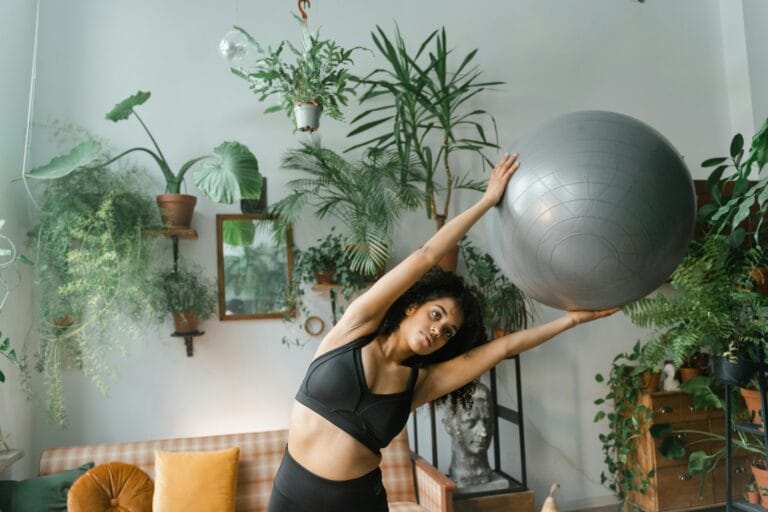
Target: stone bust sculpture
x=471 y=431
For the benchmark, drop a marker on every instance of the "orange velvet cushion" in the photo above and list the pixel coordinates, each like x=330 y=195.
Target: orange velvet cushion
x=113 y=487
x=196 y=481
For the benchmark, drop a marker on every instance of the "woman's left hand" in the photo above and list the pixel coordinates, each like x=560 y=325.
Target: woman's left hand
x=580 y=317
x=500 y=177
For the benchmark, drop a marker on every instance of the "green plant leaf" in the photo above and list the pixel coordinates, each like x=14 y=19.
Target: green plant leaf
x=672 y=448
x=124 y=109
x=231 y=177
x=83 y=155
x=238 y=233
x=711 y=162
x=2 y=376
x=737 y=144
x=660 y=429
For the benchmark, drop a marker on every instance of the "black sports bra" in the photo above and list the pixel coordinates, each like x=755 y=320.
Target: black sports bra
x=335 y=388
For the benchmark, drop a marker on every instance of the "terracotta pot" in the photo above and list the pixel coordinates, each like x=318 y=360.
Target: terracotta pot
x=307 y=116
x=752 y=497
x=176 y=209
x=185 y=323
x=761 y=480
x=760 y=276
x=752 y=399
x=326 y=276
x=687 y=374
x=650 y=381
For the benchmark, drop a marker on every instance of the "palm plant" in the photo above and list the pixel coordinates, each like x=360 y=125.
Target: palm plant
x=426 y=101
x=368 y=197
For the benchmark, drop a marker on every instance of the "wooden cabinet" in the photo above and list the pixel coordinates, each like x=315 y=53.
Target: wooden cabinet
x=672 y=487
x=518 y=501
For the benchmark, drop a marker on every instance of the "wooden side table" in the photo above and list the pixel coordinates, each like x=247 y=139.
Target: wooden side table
x=513 y=501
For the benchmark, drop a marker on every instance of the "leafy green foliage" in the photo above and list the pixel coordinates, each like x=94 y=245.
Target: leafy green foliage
x=183 y=290
x=714 y=305
x=230 y=174
x=625 y=417
x=426 y=100
x=92 y=270
x=367 y=197
x=315 y=73
x=739 y=206
x=9 y=353
x=505 y=307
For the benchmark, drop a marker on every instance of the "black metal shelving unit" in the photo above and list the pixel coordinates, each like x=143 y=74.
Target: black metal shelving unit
x=502 y=412
x=751 y=428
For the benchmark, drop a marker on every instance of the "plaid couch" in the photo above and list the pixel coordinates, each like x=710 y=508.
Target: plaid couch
x=412 y=483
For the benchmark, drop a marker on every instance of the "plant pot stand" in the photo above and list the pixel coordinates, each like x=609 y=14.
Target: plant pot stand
x=8 y=457
x=188 y=338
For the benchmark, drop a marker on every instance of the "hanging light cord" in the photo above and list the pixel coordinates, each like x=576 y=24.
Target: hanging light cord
x=30 y=106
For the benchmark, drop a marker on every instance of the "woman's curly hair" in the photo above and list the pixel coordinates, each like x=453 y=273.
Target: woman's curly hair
x=434 y=284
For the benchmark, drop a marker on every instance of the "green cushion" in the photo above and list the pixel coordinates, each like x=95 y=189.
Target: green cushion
x=42 y=494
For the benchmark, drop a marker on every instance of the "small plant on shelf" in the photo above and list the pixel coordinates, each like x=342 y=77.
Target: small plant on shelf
x=186 y=294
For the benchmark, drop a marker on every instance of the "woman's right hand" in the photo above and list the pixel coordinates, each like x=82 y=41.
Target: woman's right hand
x=500 y=175
x=579 y=317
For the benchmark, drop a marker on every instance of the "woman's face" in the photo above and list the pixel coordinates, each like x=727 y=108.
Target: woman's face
x=430 y=326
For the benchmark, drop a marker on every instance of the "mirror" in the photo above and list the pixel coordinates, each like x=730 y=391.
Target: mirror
x=254 y=269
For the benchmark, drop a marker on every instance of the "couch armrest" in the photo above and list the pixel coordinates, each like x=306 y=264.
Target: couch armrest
x=435 y=490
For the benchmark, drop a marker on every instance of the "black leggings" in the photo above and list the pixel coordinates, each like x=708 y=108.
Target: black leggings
x=297 y=490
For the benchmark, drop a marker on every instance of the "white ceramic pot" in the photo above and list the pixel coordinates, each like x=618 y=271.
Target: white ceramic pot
x=307 y=116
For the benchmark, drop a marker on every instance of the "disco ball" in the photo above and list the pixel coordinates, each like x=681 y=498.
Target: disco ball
x=599 y=214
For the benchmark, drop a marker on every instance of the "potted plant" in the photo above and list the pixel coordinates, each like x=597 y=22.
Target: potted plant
x=429 y=116
x=314 y=79
x=367 y=196
x=186 y=294
x=505 y=307
x=714 y=306
x=751 y=494
x=91 y=274
x=229 y=174
x=326 y=266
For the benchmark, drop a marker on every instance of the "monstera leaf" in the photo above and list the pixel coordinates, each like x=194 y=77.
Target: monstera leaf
x=83 y=155
x=234 y=175
x=124 y=109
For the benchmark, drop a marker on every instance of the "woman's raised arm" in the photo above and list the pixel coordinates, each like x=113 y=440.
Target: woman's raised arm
x=366 y=312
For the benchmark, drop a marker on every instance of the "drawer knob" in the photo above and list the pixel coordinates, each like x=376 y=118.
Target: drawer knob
x=685 y=476
x=665 y=410
x=682 y=436
x=739 y=469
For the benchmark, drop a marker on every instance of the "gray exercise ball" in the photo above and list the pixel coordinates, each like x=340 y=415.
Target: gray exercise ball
x=598 y=215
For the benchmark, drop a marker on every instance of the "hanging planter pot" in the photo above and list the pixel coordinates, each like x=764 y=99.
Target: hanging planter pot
x=185 y=322
x=736 y=373
x=256 y=205
x=307 y=116
x=176 y=209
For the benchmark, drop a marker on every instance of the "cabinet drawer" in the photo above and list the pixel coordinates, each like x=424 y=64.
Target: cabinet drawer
x=741 y=474
x=689 y=440
x=669 y=407
x=676 y=488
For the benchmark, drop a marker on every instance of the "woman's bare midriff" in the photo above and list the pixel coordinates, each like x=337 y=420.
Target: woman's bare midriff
x=326 y=450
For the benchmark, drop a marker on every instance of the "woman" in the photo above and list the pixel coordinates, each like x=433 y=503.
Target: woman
x=413 y=337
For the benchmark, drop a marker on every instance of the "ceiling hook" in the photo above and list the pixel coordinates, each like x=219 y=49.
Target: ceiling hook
x=302 y=11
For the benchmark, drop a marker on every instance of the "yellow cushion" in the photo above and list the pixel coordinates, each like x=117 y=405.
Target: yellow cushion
x=195 y=481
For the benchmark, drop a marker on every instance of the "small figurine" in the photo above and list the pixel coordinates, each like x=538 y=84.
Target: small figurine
x=670 y=383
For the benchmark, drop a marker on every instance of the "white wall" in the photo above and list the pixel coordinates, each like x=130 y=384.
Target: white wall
x=661 y=62
x=17 y=26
